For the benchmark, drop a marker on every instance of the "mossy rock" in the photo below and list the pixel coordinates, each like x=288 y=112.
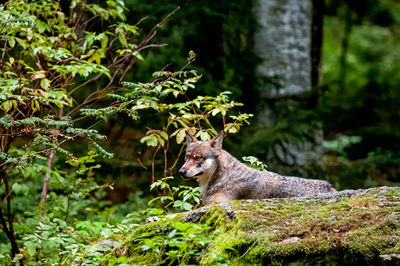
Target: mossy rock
x=344 y=228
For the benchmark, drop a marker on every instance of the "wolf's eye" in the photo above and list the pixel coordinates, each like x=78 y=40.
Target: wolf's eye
x=197 y=158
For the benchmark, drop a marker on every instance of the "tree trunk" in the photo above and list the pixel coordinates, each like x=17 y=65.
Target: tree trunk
x=288 y=43
x=316 y=41
x=345 y=45
x=8 y=229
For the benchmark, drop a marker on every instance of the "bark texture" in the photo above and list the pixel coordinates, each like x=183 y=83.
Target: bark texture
x=288 y=43
x=283 y=42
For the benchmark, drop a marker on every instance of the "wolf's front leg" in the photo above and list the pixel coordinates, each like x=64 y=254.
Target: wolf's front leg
x=219 y=197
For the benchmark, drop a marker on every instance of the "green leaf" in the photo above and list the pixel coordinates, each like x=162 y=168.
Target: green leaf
x=180 y=137
x=42 y=26
x=154 y=211
x=204 y=136
x=106 y=233
x=7 y=106
x=31 y=247
x=16 y=188
x=45 y=84
x=232 y=130
x=138 y=56
x=181 y=226
x=11 y=73
x=153 y=200
x=11 y=42
x=215 y=111
x=164 y=135
x=150 y=140
x=104 y=42
x=192 y=54
x=122 y=39
x=172 y=233
x=149 y=243
x=21 y=43
x=145 y=247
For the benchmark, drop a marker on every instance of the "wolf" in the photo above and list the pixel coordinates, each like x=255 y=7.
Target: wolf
x=222 y=177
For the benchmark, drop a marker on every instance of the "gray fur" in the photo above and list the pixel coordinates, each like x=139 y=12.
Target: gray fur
x=223 y=177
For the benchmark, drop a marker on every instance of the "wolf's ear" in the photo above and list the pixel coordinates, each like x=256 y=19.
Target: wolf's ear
x=190 y=138
x=216 y=142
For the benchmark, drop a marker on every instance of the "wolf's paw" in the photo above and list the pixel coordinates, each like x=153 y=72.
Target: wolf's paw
x=152 y=219
x=169 y=216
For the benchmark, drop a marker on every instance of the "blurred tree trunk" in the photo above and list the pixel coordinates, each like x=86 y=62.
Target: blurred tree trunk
x=348 y=23
x=318 y=8
x=289 y=43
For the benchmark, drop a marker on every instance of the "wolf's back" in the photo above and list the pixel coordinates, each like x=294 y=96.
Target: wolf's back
x=244 y=182
x=290 y=186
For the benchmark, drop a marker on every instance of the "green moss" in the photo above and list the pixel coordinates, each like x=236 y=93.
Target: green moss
x=282 y=231
x=215 y=217
x=129 y=252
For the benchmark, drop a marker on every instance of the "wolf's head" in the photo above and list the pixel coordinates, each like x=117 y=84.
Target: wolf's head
x=201 y=158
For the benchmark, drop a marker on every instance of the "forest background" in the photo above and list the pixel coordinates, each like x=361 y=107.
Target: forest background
x=78 y=157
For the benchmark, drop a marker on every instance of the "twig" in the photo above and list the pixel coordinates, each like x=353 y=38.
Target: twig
x=152 y=45
x=84 y=83
x=5 y=23
x=69 y=201
x=244 y=254
x=4 y=51
x=46 y=179
x=152 y=163
x=150 y=35
x=141 y=163
x=141 y=20
x=177 y=159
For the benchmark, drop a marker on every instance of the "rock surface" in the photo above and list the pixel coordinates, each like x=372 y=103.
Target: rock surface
x=345 y=228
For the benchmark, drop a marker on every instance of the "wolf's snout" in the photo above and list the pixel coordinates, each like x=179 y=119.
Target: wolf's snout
x=182 y=172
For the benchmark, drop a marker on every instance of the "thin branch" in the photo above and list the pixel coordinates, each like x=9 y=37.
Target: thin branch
x=4 y=224
x=18 y=134
x=158 y=25
x=5 y=23
x=4 y=51
x=141 y=163
x=127 y=69
x=141 y=20
x=152 y=45
x=69 y=201
x=153 y=162
x=84 y=24
x=244 y=254
x=47 y=178
x=165 y=159
x=84 y=83
x=177 y=159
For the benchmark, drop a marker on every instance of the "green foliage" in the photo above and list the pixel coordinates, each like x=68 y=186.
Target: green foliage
x=220 y=32
x=186 y=193
x=51 y=57
x=171 y=245
x=50 y=101
x=341 y=143
x=168 y=241
x=255 y=162
x=360 y=93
